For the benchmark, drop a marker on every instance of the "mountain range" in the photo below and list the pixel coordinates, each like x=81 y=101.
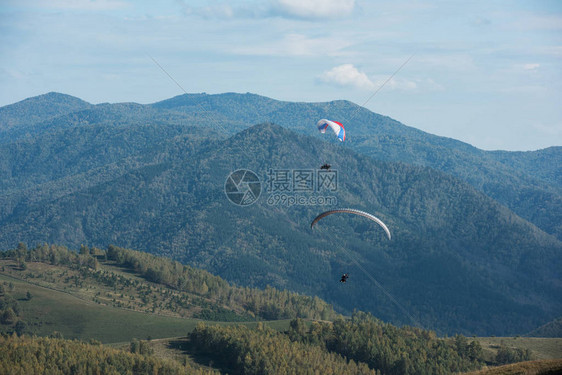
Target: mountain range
x=476 y=244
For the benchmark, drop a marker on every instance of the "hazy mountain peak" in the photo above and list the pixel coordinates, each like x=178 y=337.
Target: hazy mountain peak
x=39 y=108
x=53 y=102
x=212 y=99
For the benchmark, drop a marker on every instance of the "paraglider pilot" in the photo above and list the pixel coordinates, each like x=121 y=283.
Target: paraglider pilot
x=344 y=278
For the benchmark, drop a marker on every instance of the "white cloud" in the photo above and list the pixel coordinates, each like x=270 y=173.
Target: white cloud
x=85 y=5
x=315 y=8
x=397 y=84
x=226 y=10
x=347 y=75
x=410 y=85
x=431 y=85
x=531 y=66
x=297 y=45
x=311 y=9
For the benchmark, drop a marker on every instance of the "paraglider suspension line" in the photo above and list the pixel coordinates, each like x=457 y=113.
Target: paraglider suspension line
x=164 y=70
x=182 y=89
x=380 y=87
x=379 y=285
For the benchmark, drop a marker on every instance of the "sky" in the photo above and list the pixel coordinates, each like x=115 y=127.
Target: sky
x=487 y=72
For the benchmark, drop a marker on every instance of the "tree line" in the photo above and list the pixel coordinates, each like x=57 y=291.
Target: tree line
x=240 y=350
x=360 y=345
x=390 y=349
x=49 y=355
x=219 y=299
x=270 y=304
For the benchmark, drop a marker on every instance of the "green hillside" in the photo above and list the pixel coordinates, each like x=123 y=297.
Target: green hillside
x=118 y=295
x=550 y=329
x=51 y=311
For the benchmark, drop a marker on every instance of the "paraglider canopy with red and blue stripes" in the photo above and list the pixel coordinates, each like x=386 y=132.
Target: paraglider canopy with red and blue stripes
x=337 y=127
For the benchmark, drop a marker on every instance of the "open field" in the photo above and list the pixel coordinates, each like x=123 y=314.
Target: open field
x=541 y=347
x=116 y=288
x=52 y=310
x=540 y=367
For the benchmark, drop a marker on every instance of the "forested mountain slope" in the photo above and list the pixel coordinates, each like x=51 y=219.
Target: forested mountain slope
x=458 y=260
x=529 y=183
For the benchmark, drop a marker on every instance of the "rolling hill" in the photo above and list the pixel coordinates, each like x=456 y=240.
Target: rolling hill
x=116 y=295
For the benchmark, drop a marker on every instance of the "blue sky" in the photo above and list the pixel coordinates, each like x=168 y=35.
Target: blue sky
x=485 y=72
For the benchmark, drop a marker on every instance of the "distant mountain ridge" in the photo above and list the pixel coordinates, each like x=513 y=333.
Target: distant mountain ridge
x=36 y=109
